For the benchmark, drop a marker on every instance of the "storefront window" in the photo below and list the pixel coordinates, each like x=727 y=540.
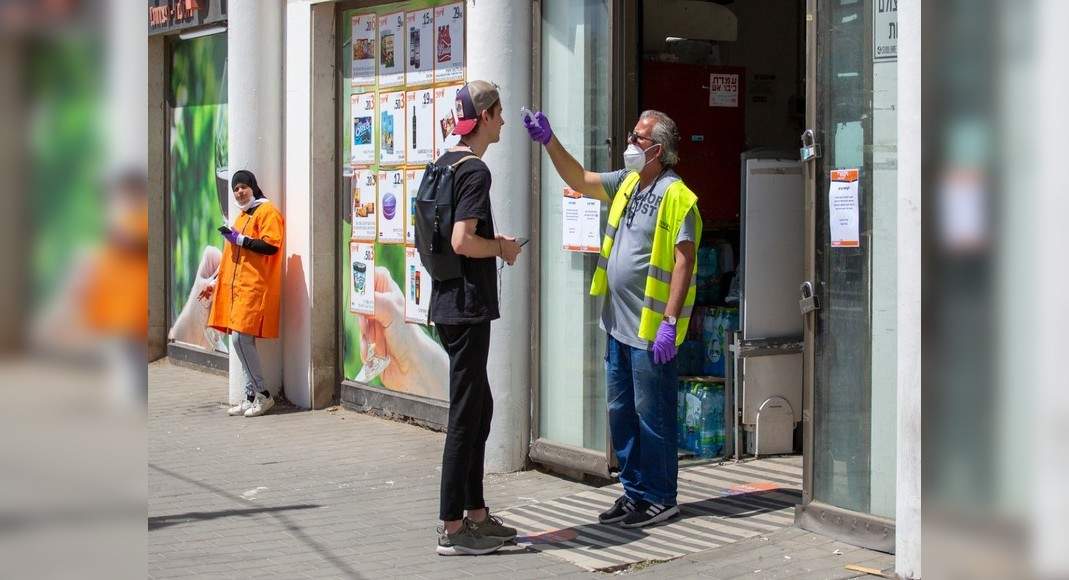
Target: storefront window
x=575 y=95
x=402 y=64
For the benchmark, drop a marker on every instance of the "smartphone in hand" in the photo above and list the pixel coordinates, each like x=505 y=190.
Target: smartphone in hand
x=224 y=230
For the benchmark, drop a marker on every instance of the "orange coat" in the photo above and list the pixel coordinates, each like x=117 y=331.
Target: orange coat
x=249 y=287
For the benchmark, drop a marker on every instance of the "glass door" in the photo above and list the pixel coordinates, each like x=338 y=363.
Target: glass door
x=851 y=454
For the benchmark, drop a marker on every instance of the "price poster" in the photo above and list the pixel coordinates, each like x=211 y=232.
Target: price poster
x=363 y=41
x=362 y=109
x=364 y=194
x=413 y=177
x=449 y=42
x=417 y=288
x=392 y=126
x=391 y=207
x=582 y=224
x=444 y=119
x=391 y=50
x=419 y=69
x=844 y=209
x=362 y=278
x=420 y=126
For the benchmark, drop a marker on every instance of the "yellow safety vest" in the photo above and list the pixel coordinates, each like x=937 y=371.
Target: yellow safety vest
x=678 y=201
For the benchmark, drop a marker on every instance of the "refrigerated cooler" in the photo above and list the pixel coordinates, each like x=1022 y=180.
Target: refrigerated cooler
x=765 y=355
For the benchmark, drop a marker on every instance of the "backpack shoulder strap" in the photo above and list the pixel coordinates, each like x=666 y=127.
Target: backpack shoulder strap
x=462 y=160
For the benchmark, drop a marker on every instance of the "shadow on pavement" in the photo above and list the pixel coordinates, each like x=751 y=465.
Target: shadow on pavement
x=157 y=522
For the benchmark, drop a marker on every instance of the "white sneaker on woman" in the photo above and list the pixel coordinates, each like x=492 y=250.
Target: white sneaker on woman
x=260 y=406
x=239 y=409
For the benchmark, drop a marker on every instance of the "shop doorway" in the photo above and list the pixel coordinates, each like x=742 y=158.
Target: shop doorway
x=732 y=77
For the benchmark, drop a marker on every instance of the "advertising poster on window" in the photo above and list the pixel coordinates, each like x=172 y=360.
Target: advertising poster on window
x=199 y=192
x=391 y=50
x=391 y=207
x=392 y=126
x=417 y=288
x=445 y=119
x=362 y=282
x=362 y=109
x=419 y=69
x=449 y=42
x=420 y=126
x=364 y=199
x=364 y=53
x=844 y=209
x=413 y=177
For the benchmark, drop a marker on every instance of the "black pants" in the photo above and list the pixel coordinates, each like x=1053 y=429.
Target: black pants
x=470 y=408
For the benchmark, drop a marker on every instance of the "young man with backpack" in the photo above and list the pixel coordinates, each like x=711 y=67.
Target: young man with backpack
x=462 y=306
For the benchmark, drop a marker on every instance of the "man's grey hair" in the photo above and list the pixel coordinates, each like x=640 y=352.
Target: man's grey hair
x=666 y=133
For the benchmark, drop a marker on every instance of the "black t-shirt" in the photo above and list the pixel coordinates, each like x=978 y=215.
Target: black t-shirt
x=472 y=298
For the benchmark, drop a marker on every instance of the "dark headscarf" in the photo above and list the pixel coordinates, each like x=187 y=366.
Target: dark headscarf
x=247 y=178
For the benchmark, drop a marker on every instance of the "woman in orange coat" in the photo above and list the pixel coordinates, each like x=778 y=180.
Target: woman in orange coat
x=248 y=286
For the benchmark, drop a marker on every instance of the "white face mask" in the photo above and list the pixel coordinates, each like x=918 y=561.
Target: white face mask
x=635 y=158
x=253 y=201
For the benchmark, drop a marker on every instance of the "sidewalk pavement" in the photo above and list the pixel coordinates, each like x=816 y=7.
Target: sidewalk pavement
x=334 y=493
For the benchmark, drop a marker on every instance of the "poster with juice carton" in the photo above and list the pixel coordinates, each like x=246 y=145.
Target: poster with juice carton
x=392 y=119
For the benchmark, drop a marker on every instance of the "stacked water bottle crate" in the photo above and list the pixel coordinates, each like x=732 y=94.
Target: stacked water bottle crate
x=700 y=415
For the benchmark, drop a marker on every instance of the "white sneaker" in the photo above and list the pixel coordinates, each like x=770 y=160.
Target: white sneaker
x=239 y=409
x=260 y=406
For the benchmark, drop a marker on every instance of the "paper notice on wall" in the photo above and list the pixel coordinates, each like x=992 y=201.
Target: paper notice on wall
x=362 y=278
x=420 y=126
x=391 y=207
x=444 y=119
x=364 y=49
x=419 y=66
x=392 y=121
x=362 y=108
x=723 y=90
x=364 y=199
x=413 y=177
x=582 y=224
x=844 y=209
x=417 y=288
x=391 y=50
x=449 y=42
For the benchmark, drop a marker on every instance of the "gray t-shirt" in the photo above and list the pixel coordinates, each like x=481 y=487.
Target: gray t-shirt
x=630 y=257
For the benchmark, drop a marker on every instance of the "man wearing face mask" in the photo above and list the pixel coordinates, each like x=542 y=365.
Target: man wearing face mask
x=647 y=268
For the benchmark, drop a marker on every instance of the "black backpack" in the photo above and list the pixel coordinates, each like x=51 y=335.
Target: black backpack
x=434 y=221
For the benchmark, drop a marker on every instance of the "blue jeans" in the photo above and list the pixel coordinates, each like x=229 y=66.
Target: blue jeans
x=642 y=422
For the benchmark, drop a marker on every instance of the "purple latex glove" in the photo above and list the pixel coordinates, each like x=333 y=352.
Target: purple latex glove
x=232 y=236
x=664 y=346
x=538 y=128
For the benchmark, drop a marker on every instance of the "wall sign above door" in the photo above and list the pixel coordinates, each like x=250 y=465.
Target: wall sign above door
x=169 y=16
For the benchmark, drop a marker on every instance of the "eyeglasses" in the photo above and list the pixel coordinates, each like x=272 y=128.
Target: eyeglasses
x=633 y=138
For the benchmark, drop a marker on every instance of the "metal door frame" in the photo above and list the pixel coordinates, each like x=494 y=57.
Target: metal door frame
x=857 y=528
x=623 y=70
